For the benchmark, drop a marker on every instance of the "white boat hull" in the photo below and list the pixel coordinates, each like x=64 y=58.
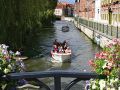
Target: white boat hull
x=61 y=57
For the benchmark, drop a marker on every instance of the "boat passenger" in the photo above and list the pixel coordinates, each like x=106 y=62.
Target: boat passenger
x=56 y=43
x=68 y=50
x=55 y=48
x=65 y=46
x=61 y=49
x=64 y=42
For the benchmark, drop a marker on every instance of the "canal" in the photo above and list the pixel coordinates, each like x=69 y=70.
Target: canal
x=82 y=50
x=37 y=44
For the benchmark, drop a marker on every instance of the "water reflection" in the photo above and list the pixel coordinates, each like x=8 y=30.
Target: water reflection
x=31 y=43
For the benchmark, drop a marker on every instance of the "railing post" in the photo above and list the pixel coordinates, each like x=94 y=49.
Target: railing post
x=100 y=27
x=97 y=26
x=103 y=28
x=57 y=83
x=107 y=30
x=117 y=32
x=88 y=23
x=77 y=22
x=111 y=30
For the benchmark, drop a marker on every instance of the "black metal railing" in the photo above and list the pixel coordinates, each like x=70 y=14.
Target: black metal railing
x=113 y=31
x=57 y=75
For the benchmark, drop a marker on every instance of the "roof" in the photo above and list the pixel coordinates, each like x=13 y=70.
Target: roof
x=61 y=5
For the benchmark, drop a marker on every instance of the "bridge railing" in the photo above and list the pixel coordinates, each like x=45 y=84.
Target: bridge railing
x=57 y=75
x=113 y=31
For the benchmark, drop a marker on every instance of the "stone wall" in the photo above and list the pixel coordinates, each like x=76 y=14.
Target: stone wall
x=99 y=38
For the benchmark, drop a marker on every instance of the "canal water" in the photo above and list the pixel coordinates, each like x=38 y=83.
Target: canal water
x=82 y=51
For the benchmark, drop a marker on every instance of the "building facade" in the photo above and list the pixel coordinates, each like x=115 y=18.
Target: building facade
x=59 y=9
x=85 y=9
x=110 y=12
x=69 y=10
x=76 y=9
x=97 y=10
x=64 y=9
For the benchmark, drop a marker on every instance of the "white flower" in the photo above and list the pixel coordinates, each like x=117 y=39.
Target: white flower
x=11 y=52
x=94 y=86
x=17 y=53
x=102 y=84
x=116 y=79
x=113 y=89
x=112 y=81
x=110 y=64
x=9 y=66
x=118 y=88
x=108 y=88
x=4 y=52
x=6 y=70
x=3 y=46
x=104 y=66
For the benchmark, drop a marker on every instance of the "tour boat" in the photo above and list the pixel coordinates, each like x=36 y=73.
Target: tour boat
x=65 y=28
x=60 y=57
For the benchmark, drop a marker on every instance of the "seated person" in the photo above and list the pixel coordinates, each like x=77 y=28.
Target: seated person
x=56 y=43
x=68 y=50
x=55 y=48
x=61 y=49
x=64 y=42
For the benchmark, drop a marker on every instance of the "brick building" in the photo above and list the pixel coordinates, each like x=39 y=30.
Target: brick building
x=63 y=9
x=110 y=11
x=85 y=8
x=76 y=9
x=59 y=9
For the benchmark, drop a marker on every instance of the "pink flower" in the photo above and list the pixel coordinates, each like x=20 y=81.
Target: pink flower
x=101 y=55
x=110 y=45
x=90 y=62
x=97 y=55
x=109 y=67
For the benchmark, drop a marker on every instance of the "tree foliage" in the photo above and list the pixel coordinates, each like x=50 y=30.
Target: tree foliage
x=20 y=18
x=25 y=14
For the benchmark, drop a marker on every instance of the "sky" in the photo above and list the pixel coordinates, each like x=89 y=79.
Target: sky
x=69 y=1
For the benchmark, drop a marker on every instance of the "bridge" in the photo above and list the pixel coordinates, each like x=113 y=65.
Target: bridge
x=57 y=75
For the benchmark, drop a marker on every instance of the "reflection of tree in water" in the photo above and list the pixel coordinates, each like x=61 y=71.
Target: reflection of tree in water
x=20 y=18
x=32 y=42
